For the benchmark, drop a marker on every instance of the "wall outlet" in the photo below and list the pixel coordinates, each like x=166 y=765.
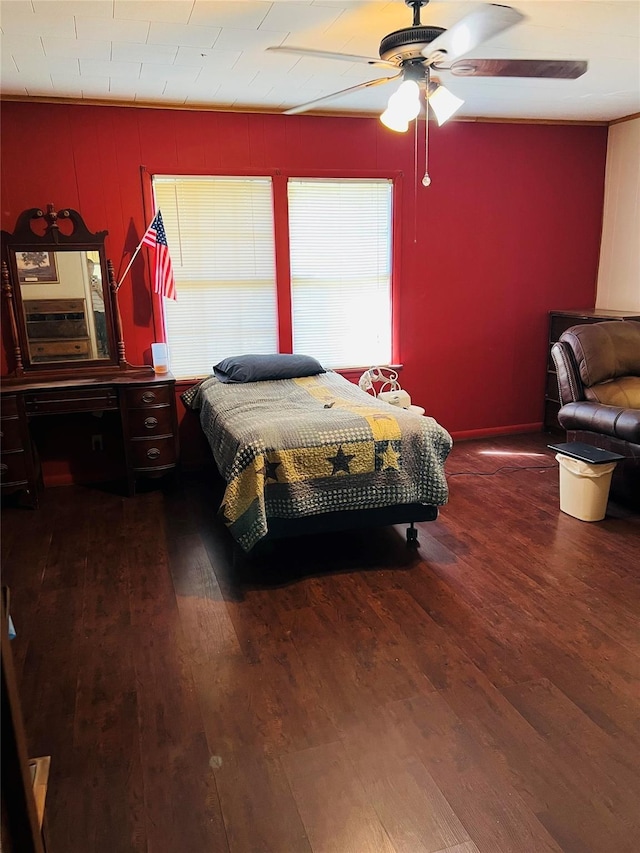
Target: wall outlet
x=97 y=443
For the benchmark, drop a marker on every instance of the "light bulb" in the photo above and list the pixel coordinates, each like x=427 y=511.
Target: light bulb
x=408 y=99
x=403 y=106
x=444 y=104
x=392 y=119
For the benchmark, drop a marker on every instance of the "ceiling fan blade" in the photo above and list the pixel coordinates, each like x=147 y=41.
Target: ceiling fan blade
x=567 y=69
x=471 y=31
x=327 y=54
x=310 y=104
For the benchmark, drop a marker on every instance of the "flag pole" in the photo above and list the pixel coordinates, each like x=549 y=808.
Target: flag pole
x=133 y=257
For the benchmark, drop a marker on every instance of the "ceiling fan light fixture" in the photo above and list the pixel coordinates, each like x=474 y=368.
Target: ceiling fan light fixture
x=444 y=104
x=407 y=99
x=394 y=121
x=403 y=107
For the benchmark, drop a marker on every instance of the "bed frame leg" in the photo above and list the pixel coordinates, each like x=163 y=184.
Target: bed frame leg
x=412 y=536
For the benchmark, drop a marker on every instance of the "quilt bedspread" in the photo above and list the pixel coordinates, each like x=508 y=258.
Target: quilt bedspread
x=299 y=447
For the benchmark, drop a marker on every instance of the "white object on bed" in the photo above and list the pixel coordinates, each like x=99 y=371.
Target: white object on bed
x=389 y=388
x=396 y=398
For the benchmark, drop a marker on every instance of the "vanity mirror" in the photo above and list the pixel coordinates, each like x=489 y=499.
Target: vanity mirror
x=65 y=350
x=60 y=293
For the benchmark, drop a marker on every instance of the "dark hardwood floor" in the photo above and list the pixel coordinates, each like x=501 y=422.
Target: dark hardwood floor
x=340 y=693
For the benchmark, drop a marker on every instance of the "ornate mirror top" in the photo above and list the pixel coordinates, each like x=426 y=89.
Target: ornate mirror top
x=24 y=232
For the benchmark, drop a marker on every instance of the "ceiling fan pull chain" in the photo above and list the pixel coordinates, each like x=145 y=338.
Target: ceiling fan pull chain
x=426 y=180
x=415 y=156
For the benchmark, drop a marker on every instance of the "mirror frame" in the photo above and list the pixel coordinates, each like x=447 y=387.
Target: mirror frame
x=55 y=240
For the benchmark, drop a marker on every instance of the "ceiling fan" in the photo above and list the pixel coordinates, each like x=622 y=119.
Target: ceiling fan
x=418 y=50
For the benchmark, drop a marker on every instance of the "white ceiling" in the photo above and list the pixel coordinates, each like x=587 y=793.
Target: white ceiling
x=211 y=53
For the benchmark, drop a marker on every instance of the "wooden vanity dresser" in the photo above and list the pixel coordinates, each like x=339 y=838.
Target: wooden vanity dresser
x=64 y=345
x=146 y=403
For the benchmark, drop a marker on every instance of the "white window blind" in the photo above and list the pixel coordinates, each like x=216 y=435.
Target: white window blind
x=340 y=244
x=221 y=240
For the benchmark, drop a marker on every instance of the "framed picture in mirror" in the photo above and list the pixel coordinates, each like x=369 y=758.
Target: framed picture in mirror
x=36 y=267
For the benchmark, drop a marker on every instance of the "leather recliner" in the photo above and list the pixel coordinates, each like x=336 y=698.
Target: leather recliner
x=598 y=369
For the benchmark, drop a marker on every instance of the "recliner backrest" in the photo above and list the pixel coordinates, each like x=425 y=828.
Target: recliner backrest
x=604 y=351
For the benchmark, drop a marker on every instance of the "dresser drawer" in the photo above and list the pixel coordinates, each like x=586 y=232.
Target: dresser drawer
x=152 y=453
x=151 y=421
x=149 y=395
x=53 y=306
x=71 y=400
x=10 y=434
x=9 y=405
x=60 y=349
x=13 y=468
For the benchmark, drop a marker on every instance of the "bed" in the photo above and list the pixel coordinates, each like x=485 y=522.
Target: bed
x=317 y=453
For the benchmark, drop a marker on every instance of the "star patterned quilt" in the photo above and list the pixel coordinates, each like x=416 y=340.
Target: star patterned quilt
x=300 y=447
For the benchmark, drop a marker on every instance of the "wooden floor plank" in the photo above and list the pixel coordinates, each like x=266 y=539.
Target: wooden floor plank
x=467 y=847
x=257 y=804
x=411 y=807
x=491 y=810
x=181 y=802
x=272 y=706
x=336 y=812
x=600 y=769
x=384 y=665
x=435 y=651
x=583 y=674
x=79 y=816
x=203 y=611
x=512 y=751
x=23 y=568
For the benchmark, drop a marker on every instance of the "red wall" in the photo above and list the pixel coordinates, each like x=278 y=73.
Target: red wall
x=508 y=229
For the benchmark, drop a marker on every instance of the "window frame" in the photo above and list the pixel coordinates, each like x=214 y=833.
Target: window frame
x=279 y=181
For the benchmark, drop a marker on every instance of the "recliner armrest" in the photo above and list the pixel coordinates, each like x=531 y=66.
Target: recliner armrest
x=607 y=420
x=570 y=385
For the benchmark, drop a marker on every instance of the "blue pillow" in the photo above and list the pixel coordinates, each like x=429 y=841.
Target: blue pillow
x=259 y=368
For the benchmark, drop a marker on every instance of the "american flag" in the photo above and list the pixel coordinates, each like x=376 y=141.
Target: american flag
x=164 y=282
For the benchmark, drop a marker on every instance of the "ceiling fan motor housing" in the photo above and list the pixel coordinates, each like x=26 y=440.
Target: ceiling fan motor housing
x=408 y=43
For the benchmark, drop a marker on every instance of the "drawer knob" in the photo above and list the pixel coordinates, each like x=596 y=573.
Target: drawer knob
x=151 y=423
x=148 y=397
x=153 y=453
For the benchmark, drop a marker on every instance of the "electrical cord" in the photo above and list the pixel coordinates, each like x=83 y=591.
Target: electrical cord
x=497 y=471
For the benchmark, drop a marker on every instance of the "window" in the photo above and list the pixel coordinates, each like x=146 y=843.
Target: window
x=221 y=241
x=340 y=247
x=222 y=234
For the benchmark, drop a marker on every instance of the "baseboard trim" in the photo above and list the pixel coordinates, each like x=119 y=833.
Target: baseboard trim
x=68 y=480
x=58 y=480
x=515 y=429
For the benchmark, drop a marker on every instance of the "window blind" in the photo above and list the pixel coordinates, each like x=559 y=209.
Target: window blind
x=340 y=246
x=221 y=239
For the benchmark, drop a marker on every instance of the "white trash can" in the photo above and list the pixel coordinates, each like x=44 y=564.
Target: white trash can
x=584 y=487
